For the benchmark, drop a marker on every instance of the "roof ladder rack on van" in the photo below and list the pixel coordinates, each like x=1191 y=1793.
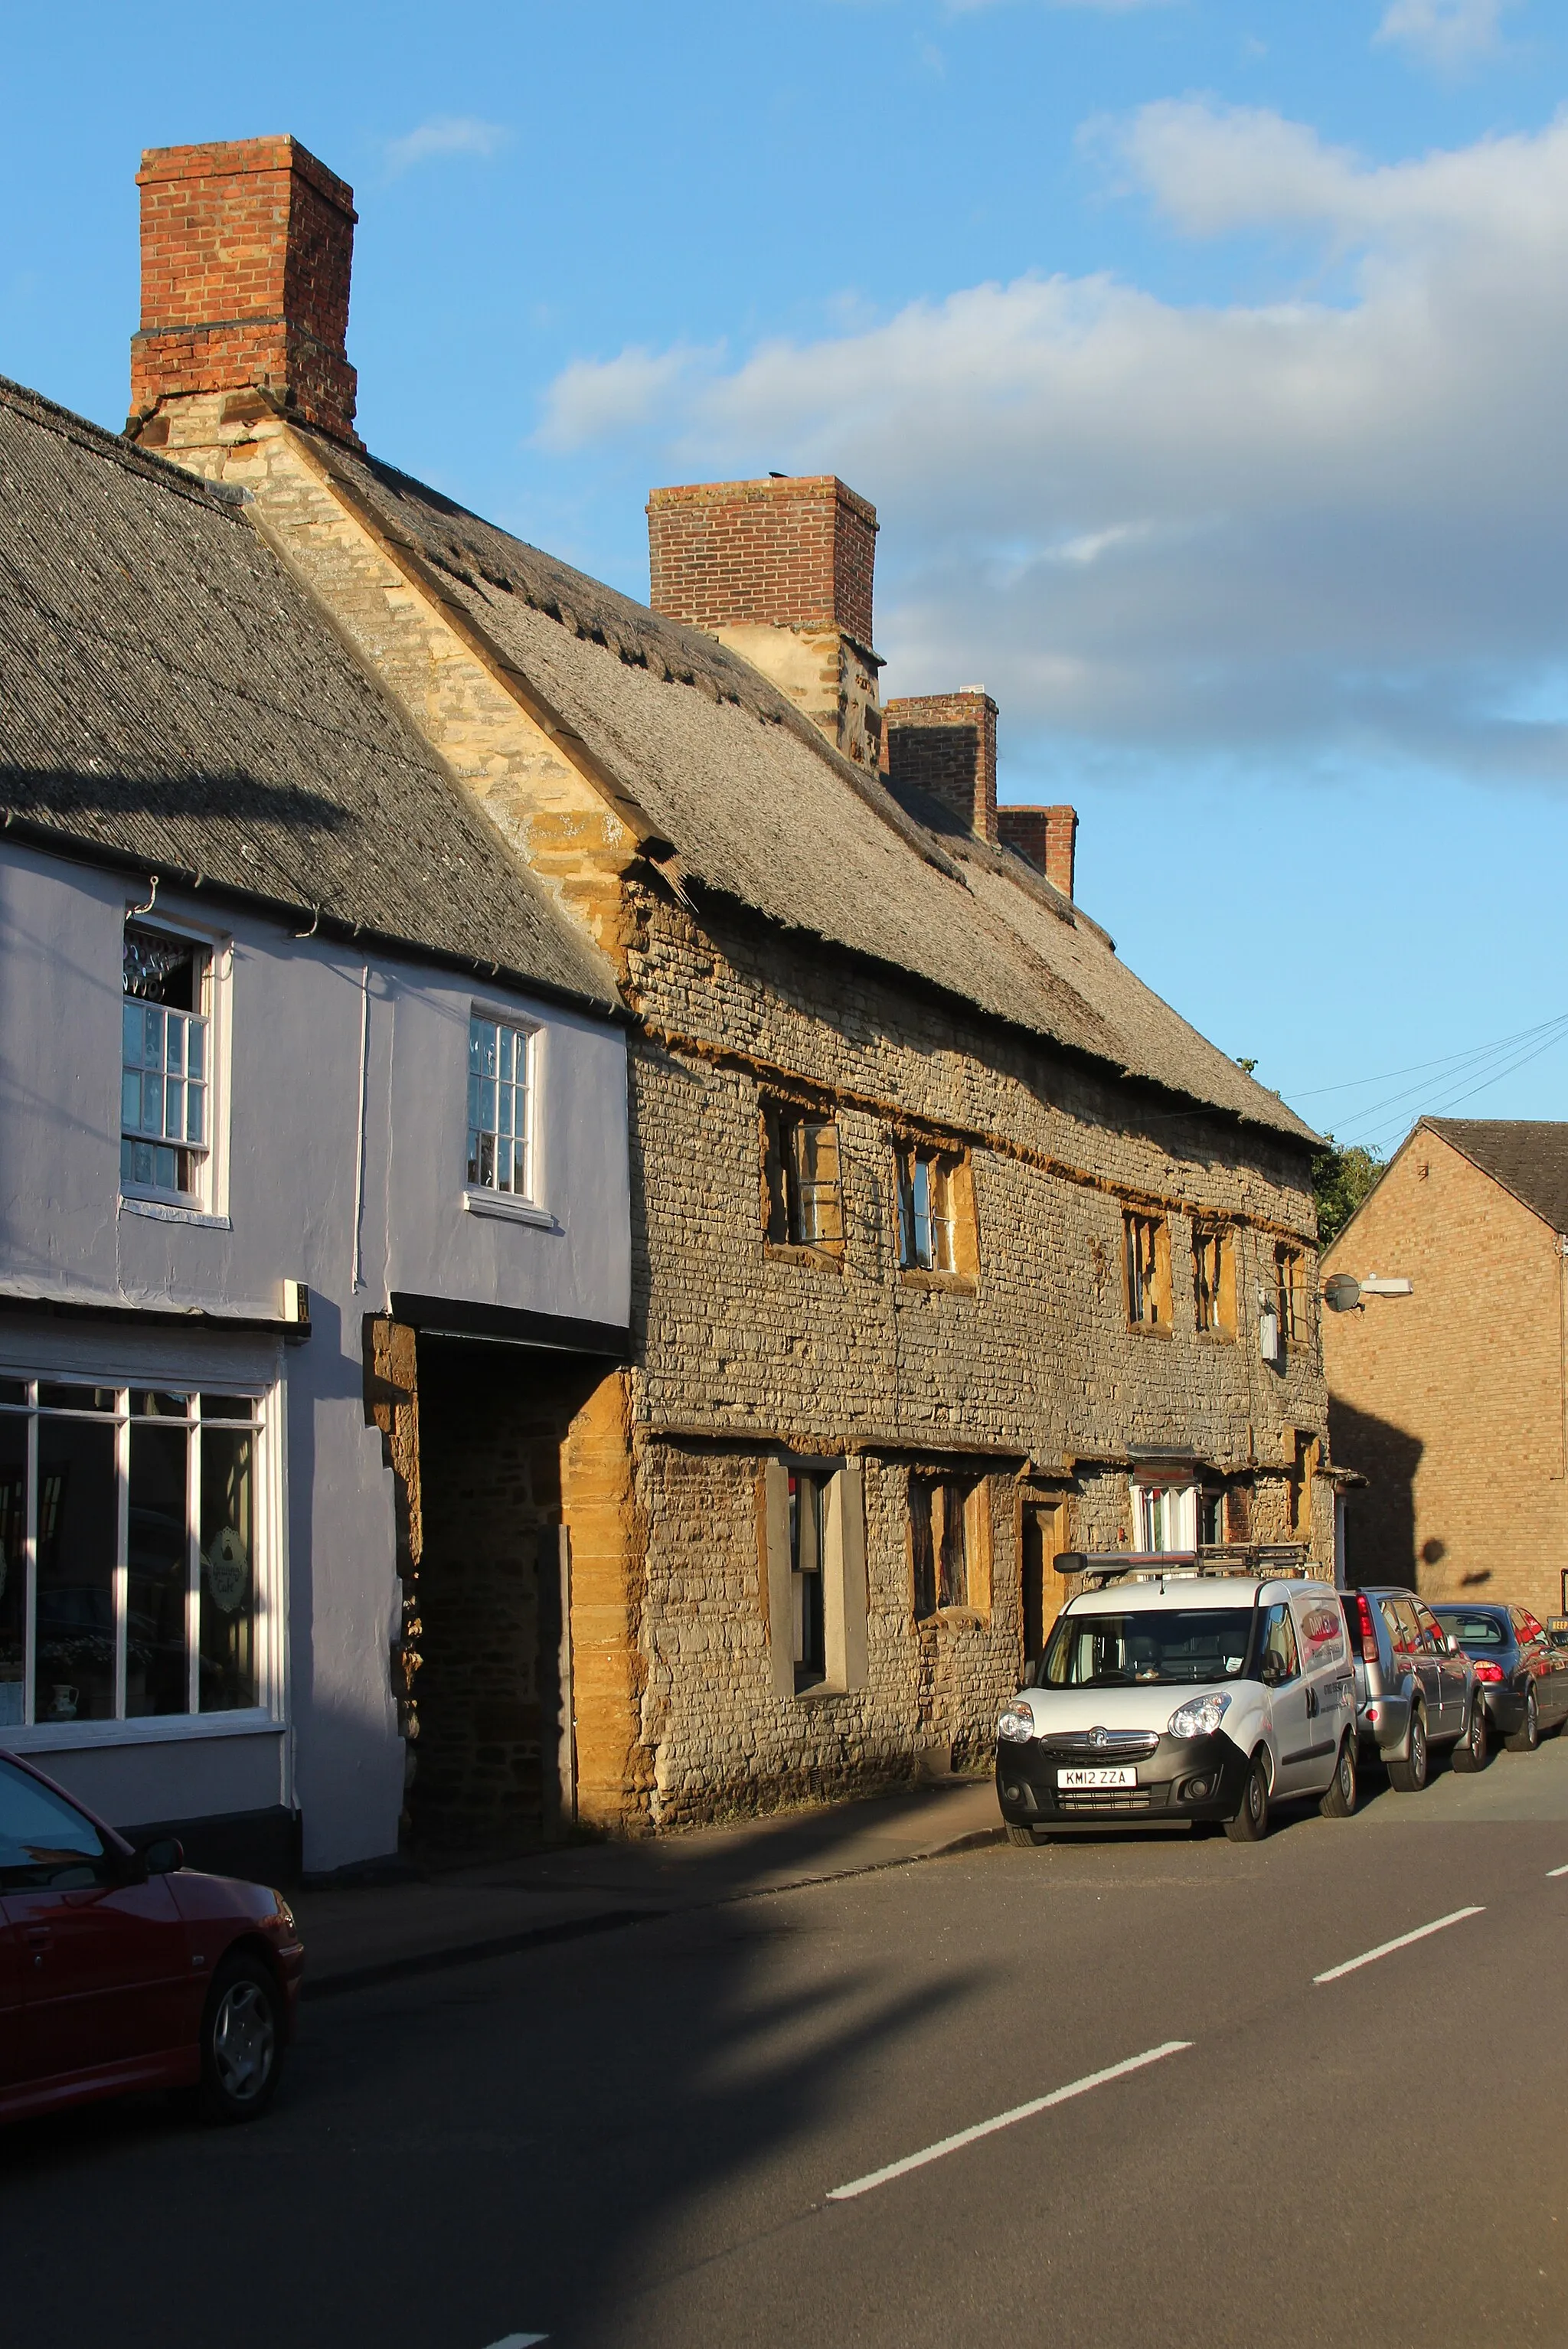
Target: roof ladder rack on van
x=1278 y=1560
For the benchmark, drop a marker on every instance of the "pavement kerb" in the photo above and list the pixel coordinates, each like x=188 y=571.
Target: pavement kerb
x=609 y=1921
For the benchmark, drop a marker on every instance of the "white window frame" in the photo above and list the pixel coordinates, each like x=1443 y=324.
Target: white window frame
x=1167 y=1517
x=526 y=1206
x=928 y=1235
x=254 y=1367
x=844 y=1592
x=209 y=1202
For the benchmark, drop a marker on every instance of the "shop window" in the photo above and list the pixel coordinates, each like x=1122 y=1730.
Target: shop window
x=1213 y=1280
x=948 y=1544
x=814 y=1575
x=166 y=1067
x=802 y=1198
x=500 y=1089
x=130 y=1559
x=1146 y=1247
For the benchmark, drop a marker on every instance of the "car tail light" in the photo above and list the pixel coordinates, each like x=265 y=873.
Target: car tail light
x=1360 y=1611
x=1488 y=1672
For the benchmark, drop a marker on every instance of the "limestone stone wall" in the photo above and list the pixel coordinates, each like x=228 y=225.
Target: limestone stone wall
x=1025 y=1377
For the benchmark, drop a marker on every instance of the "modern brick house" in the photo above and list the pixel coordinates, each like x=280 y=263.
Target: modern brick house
x=949 y=1239
x=1453 y=1401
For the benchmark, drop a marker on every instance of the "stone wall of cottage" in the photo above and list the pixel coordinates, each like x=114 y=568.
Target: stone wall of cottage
x=1028 y=1377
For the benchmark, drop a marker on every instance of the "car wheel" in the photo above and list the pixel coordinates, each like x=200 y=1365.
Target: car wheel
x=1340 y=1802
x=1408 y=1776
x=1022 y=1835
x=1251 y=1823
x=1471 y=1752
x=1527 y=1736
x=242 y=2041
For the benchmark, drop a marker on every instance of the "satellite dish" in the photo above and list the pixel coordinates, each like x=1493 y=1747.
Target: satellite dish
x=1342 y=1292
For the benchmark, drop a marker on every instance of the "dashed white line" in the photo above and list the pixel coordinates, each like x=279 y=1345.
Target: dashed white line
x=1557 y=1871
x=518 y=2340
x=1005 y=2120
x=1403 y=1942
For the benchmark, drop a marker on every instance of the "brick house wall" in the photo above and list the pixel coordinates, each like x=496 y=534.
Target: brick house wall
x=1451 y=1402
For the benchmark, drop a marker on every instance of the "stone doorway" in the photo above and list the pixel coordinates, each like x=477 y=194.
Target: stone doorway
x=493 y=1686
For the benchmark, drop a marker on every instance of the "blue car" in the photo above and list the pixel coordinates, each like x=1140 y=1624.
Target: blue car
x=1521 y=1673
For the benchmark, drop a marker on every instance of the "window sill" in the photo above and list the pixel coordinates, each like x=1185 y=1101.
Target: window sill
x=1216 y=1337
x=819 y=1694
x=956 y=1284
x=952 y=1618
x=828 y=1259
x=153 y=1729
x=1150 y=1329
x=508 y=1210
x=168 y=1211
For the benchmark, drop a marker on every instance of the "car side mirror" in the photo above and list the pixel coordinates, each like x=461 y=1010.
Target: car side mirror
x=1272 y=1671
x=1453 y=1647
x=164 y=1857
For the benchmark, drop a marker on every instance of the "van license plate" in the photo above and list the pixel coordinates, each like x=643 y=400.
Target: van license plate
x=1122 y=1777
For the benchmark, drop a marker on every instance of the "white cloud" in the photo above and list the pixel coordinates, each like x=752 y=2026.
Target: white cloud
x=445 y=134
x=1448 y=33
x=1300 y=527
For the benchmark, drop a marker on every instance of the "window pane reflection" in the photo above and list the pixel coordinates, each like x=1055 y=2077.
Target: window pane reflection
x=228 y=1579
x=78 y=1528
x=156 y=1671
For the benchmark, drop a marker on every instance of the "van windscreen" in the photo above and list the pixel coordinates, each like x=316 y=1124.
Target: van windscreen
x=1171 y=1643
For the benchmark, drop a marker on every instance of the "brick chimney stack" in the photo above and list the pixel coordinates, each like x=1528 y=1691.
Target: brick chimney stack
x=246 y=248
x=944 y=744
x=1046 y=837
x=781 y=572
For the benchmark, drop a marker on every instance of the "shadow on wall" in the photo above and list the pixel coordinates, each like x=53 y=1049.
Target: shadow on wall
x=1380 y=1520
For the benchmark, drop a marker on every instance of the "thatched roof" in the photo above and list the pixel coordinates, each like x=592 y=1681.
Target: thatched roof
x=170 y=695
x=763 y=811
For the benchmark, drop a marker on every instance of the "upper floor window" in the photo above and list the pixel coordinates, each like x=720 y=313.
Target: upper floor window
x=1167 y=1517
x=1290 y=1294
x=1147 y=1251
x=500 y=1121
x=936 y=1211
x=1213 y=1280
x=166 y=1063
x=804 y=1201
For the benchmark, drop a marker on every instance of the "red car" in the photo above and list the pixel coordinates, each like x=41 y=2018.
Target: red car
x=123 y=1970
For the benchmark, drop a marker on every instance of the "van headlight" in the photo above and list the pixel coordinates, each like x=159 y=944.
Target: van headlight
x=1200 y=1716
x=1017 y=1724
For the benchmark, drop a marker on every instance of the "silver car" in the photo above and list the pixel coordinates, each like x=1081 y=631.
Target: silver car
x=1416 y=1689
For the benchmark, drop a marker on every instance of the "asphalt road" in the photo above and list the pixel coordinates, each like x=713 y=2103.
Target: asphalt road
x=637 y=2139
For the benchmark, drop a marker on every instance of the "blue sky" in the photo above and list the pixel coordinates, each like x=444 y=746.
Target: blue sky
x=1206 y=362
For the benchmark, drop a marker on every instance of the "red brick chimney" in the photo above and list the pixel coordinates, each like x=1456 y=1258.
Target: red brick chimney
x=944 y=744
x=781 y=571
x=1045 y=837
x=246 y=248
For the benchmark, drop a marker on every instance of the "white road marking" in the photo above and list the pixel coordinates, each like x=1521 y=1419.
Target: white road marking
x=1557 y=1871
x=1005 y=2120
x=1386 y=1948
x=518 y=2340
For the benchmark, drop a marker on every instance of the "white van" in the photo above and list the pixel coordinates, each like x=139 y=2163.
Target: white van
x=1170 y=1694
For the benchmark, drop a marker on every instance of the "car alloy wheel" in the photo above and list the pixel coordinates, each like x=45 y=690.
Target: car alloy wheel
x=1470 y=1753
x=1527 y=1737
x=1408 y=1776
x=242 y=2040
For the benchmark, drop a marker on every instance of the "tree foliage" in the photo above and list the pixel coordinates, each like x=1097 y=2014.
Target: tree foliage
x=1341 y=1179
